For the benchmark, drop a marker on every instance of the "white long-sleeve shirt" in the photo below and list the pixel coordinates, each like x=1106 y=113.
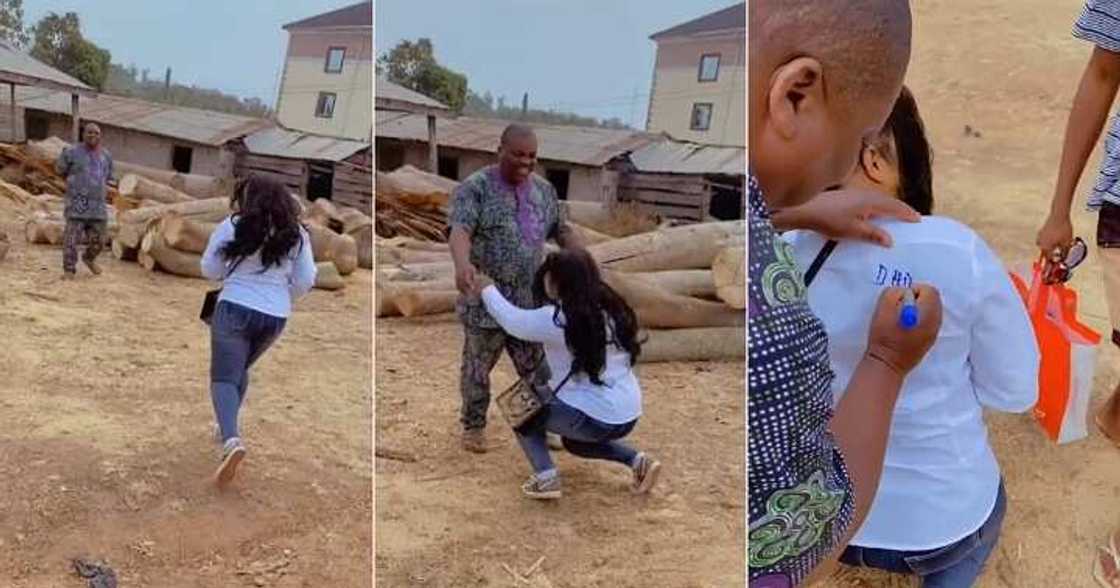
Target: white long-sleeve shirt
x=617 y=401
x=271 y=290
x=940 y=477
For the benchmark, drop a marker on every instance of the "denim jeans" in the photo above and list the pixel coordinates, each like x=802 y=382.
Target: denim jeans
x=954 y=566
x=238 y=338
x=582 y=435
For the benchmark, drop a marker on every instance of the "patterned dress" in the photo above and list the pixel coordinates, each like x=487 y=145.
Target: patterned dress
x=800 y=497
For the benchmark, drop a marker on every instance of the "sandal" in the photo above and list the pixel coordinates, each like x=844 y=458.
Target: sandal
x=1106 y=566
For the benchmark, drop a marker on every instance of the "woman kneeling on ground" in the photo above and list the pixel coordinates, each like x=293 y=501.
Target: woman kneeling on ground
x=262 y=256
x=941 y=501
x=590 y=340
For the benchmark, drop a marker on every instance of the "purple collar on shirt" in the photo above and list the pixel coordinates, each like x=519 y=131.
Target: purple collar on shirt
x=528 y=217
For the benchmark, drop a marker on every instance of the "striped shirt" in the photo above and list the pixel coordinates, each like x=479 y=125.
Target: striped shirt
x=1100 y=24
x=800 y=496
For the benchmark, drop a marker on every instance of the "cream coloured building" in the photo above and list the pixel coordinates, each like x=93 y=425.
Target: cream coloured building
x=699 y=79
x=327 y=84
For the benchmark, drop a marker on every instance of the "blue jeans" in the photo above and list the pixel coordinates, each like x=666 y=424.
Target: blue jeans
x=238 y=338
x=582 y=436
x=953 y=566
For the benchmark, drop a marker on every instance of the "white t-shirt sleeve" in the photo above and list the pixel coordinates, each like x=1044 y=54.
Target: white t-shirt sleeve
x=535 y=325
x=304 y=271
x=1004 y=354
x=213 y=264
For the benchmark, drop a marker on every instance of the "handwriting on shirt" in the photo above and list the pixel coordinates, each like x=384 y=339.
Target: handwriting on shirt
x=893 y=277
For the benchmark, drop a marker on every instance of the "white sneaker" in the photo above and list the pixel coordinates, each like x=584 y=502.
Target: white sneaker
x=232 y=453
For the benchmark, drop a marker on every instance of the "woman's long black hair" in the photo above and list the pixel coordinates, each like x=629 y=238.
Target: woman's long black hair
x=591 y=308
x=912 y=153
x=266 y=219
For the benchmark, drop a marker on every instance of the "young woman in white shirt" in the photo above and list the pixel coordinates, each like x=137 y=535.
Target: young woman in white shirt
x=940 y=504
x=262 y=256
x=590 y=340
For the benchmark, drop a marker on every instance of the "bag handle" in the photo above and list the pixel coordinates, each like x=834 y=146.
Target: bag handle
x=822 y=256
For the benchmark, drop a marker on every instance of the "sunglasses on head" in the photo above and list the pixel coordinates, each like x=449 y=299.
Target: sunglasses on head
x=1060 y=270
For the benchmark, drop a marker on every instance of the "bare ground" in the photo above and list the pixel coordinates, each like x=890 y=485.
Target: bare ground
x=456 y=519
x=1009 y=70
x=106 y=447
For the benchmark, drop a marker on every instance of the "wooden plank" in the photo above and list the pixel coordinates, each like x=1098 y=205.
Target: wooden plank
x=272 y=172
x=692 y=184
x=652 y=196
x=273 y=164
x=353 y=176
x=669 y=211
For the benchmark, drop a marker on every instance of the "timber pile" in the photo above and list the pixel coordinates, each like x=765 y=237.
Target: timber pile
x=668 y=276
x=412 y=203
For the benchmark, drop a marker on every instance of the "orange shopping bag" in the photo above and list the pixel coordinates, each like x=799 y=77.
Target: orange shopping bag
x=1068 y=351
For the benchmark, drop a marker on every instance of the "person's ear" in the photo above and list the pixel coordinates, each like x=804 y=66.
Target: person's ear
x=874 y=167
x=796 y=98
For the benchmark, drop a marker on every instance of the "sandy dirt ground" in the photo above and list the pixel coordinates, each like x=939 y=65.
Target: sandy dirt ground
x=1009 y=69
x=106 y=447
x=456 y=519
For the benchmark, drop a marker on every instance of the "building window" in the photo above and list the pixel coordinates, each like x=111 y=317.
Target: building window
x=335 y=57
x=701 y=116
x=449 y=167
x=709 y=67
x=559 y=178
x=325 y=107
x=181 y=159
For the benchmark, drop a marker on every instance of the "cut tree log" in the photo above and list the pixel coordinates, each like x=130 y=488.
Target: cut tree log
x=328 y=277
x=419 y=272
x=42 y=230
x=131 y=234
x=421 y=302
x=47 y=150
x=588 y=236
x=16 y=194
x=139 y=187
x=415 y=244
x=709 y=344
x=617 y=220
x=155 y=252
x=363 y=238
x=185 y=234
x=327 y=245
x=659 y=309
x=384 y=296
x=685 y=247
x=210 y=209
x=695 y=283
x=401 y=256
x=729 y=272
x=324 y=213
x=124 y=252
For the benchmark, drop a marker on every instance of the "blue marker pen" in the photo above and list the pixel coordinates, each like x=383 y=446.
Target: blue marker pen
x=908 y=318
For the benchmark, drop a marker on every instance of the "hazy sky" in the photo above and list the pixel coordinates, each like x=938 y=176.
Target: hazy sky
x=234 y=46
x=586 y=56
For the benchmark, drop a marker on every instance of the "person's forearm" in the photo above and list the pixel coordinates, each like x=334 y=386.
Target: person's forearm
x=790 y=219
x=861 y=426
x=1083 y=129
x=460 y=244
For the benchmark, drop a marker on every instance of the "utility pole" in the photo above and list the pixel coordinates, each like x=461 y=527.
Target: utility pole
x=525 y=106
x=167 y=85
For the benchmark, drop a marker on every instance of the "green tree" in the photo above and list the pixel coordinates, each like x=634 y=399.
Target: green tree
x=58 y=42
x=413 y=65
x=11 y=24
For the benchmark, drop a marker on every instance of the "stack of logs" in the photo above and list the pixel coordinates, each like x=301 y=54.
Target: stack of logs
x=156 y=221
x=686 y=283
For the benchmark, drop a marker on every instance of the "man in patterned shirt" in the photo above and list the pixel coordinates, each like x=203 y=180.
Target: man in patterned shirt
x=500 y=218
x=1099 y=24
x=87 y=168
x=823 y=75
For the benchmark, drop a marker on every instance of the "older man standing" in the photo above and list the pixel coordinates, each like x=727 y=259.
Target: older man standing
x=87 y=168
x=500 y=218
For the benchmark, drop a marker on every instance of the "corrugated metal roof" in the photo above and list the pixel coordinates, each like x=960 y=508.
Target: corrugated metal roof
x=730 y=18
x=678 y=157
x=206 y=127
x=21 y=65
x=579 y=145
x=386 y=90
x=280 y=142
x=356 y=15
